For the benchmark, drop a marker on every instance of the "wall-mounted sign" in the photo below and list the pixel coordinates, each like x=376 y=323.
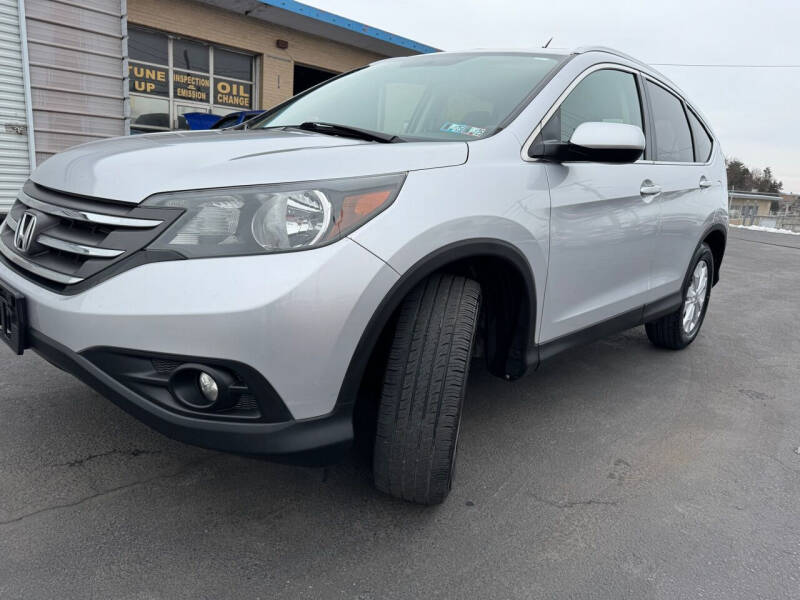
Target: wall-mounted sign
x=187 y=86
x=147 y=79
x=228 y=92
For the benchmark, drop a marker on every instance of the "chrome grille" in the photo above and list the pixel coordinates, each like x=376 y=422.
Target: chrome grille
x=73 y=238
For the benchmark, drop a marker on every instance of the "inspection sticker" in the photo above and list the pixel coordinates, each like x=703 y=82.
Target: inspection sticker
x=463 y=129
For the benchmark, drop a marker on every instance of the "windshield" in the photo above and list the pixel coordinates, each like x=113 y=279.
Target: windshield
x=434 y=97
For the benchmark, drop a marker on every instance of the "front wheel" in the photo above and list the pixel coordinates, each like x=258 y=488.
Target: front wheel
x=679 y=329
x=423 y=389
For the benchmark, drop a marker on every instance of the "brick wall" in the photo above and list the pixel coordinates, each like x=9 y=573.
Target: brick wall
x=203 y=22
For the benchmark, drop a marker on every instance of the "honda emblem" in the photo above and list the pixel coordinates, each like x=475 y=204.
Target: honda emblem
x=23 y=237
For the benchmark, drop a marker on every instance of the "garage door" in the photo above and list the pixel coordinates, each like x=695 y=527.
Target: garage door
x=76 y=63
x=14 y=154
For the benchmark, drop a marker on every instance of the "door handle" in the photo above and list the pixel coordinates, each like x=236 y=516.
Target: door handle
x=705 y=183
x=649 y=188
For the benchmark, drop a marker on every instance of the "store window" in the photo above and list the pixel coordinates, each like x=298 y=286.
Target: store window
x=173 y=79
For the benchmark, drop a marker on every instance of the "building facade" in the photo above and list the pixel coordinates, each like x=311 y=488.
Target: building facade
x=744 y=207
x=74 y=72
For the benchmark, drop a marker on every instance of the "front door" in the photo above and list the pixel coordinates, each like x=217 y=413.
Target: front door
x=604 y=217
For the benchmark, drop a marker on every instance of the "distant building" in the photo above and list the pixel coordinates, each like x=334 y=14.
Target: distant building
x=743 y=205
x=790 y=204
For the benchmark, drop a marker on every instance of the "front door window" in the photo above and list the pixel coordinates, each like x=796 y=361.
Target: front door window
x=605 y=96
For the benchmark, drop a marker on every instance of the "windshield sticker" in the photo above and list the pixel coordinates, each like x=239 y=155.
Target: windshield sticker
x=463 y=129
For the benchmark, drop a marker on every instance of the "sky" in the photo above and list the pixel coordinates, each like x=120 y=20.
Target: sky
x=755 y=112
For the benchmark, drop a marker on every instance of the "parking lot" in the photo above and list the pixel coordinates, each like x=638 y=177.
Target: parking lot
x=616 y=470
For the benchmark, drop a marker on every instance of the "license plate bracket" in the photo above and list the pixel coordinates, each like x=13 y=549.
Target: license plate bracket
x=13 y=318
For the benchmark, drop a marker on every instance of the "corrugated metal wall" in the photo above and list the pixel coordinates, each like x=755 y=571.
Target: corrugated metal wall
x=14 y=150
x=76 y=55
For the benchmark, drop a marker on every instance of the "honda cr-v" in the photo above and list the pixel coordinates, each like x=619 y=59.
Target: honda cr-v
x=328 y=273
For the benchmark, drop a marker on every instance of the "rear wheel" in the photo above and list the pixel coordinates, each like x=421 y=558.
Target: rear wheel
x=423 y=389
x=679 y=329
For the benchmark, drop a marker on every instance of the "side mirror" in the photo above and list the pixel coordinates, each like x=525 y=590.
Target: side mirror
x=594 y=142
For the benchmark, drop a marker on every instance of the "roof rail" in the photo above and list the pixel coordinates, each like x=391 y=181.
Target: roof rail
x=607 y=50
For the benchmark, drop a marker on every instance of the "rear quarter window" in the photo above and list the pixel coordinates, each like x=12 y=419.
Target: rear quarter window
x=702 y=141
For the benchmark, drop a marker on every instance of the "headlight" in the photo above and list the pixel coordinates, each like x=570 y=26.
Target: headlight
x=272 y=218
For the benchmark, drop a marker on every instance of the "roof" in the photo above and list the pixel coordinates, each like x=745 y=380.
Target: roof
x=315 y=21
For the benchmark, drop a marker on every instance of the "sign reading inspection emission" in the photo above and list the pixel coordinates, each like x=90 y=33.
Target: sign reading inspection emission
x=187 y=86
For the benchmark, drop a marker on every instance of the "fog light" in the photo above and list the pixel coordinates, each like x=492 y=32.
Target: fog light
x=208 y=386
x=202 y=387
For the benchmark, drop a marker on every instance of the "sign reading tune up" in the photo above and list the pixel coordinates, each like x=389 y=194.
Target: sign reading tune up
x=148 y=79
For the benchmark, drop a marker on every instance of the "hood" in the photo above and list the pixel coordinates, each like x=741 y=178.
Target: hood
x=129 y=169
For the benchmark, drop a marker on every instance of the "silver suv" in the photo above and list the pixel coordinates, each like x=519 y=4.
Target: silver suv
x=325 y=275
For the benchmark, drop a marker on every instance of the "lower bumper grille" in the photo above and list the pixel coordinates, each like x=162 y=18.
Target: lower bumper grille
x=149 y=375
x=64 y=239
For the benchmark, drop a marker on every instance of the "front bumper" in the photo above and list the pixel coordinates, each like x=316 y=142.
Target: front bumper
x=317 y=441
x=295 y=318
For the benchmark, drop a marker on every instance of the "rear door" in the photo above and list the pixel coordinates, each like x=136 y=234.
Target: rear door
x=681 y=151
x=603 y=216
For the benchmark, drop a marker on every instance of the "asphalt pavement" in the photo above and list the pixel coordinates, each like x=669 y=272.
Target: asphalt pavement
x=616 y=471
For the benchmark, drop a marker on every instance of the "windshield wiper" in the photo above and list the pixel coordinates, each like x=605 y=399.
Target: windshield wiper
x=347 y=131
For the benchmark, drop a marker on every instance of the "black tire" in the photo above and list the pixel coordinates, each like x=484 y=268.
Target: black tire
x=668 y=331
x=423 y=389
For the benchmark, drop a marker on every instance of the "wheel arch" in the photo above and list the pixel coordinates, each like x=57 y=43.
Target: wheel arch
x=490 y=261
x=716 y=237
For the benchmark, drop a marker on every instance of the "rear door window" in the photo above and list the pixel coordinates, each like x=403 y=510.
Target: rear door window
x=672 y=136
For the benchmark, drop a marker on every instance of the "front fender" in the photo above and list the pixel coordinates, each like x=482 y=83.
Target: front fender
x=506 y=203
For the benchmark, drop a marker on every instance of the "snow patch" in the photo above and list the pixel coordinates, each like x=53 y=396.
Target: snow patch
x=767 y=229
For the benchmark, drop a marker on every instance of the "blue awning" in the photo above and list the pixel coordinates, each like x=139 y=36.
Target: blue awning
x=315 y=21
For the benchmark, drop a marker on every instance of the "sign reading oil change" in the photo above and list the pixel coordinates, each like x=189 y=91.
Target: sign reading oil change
x=232 y=93
x=188 y=86
x=147 y=79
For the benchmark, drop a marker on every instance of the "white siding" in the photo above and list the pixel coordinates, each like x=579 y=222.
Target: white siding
x=77 y=71
x=14 y=151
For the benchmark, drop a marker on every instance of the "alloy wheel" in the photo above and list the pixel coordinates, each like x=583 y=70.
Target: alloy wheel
x=695 y=299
